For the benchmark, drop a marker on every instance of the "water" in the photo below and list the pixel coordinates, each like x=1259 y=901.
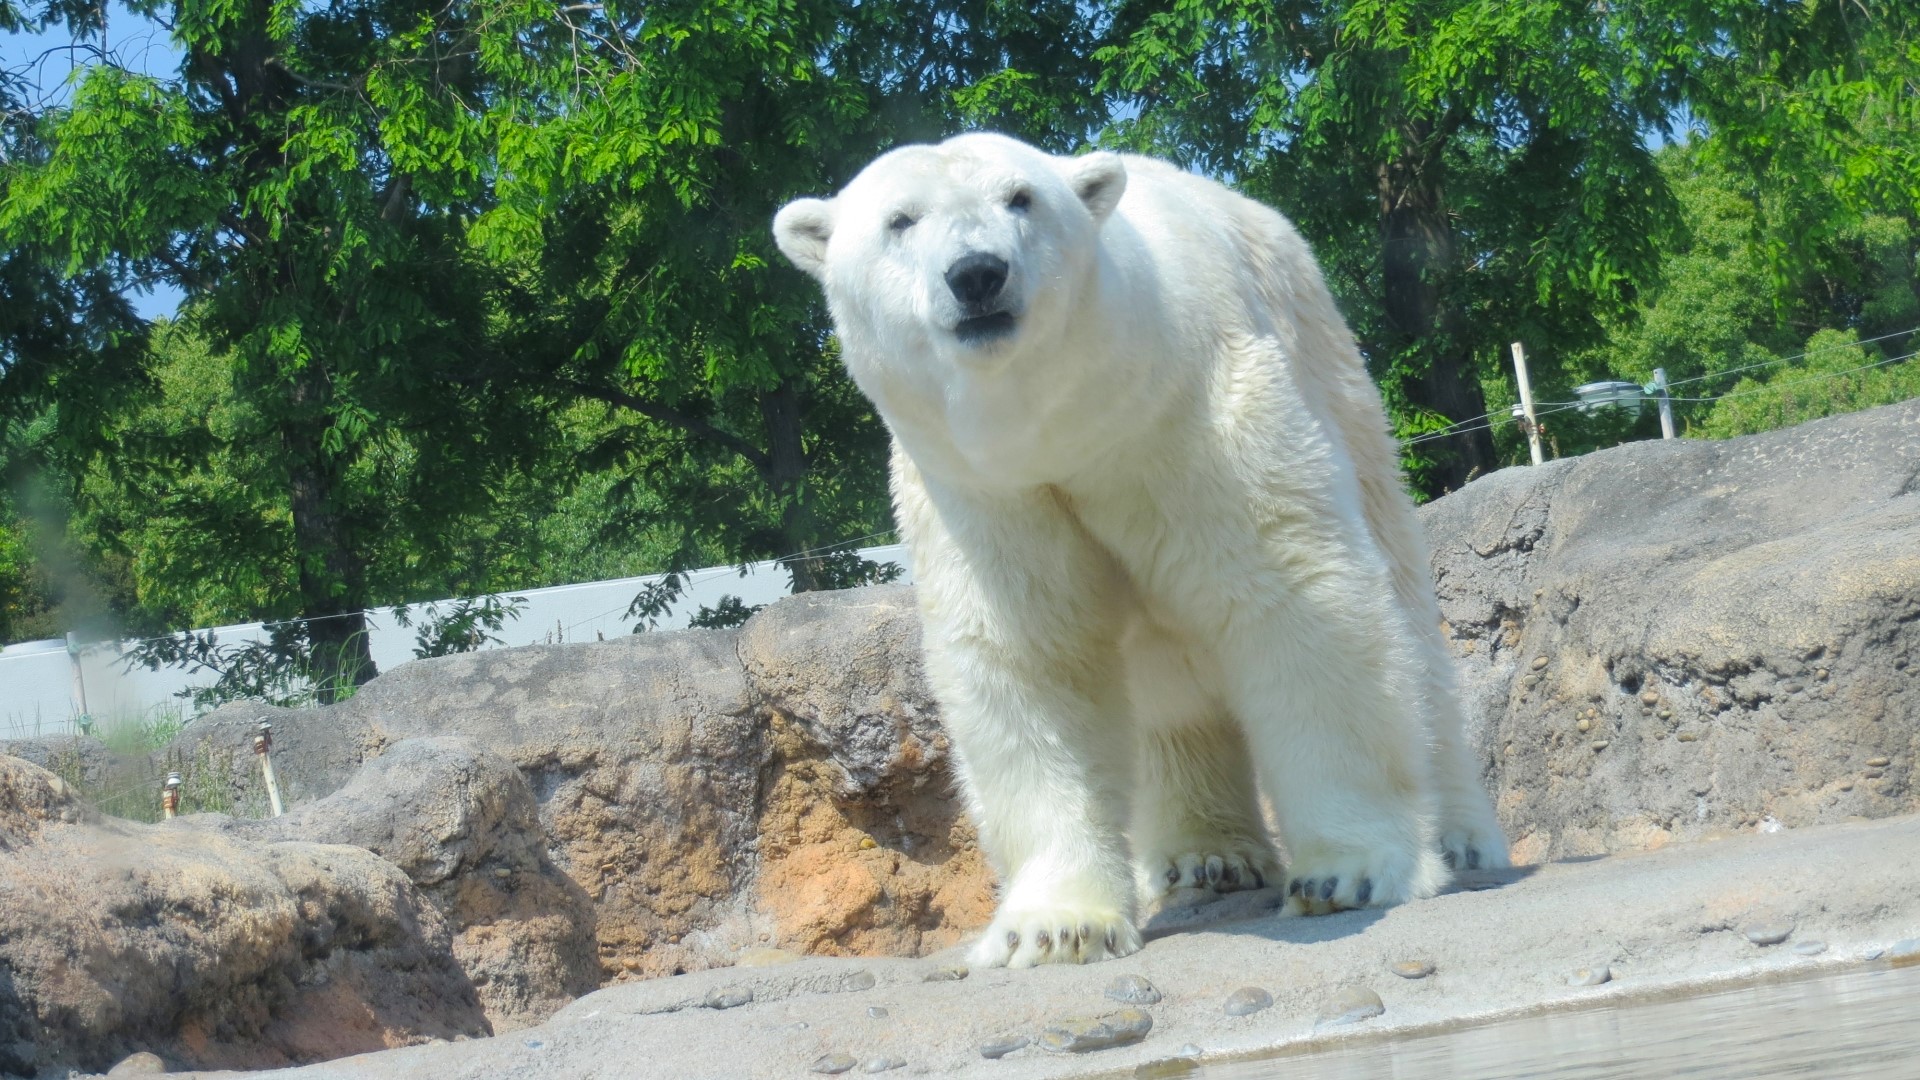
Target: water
x=1863 y=1022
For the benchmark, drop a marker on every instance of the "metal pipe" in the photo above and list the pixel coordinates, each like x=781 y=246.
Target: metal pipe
x=263 y=746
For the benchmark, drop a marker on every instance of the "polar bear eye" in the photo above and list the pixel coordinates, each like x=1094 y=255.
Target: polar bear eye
x=1020 y=201
x=900 y=223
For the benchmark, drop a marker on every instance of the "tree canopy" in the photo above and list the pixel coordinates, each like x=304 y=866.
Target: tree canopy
x=481 y=295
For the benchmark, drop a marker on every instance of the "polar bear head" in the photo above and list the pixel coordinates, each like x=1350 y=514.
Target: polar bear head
x=967 y=253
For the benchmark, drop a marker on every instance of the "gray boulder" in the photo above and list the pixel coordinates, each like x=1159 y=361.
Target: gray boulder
x=461 y=823
x=211 y=951
x=1667 y=640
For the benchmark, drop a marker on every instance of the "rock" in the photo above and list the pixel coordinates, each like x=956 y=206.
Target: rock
x=1352 y=1005
x=1767 y=933
x=700 y=788
x=883 y=1063
x=857 y=981
x=1246 y=1001
x=209 y=950
x=1505 y=952
x=445 y=811
x=1133 y=990
x=1878 y=762
x=1593 y=976
x=1412 y=969
x=947 y=973
x=877 y=1012
x=994 y=1049
x=1084 y=1034
x=140 y=1064
x=728 y=997
x=833 y=1064
x=1712 y=575
x=1810 y=948
x=761 y=956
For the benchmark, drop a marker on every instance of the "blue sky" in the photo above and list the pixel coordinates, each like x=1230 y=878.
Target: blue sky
x=47 y=64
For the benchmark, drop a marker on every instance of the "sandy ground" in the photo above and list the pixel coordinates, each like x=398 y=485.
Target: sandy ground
x=1502 y=943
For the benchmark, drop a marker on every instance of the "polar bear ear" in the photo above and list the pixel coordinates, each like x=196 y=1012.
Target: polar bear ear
x=1099 y=179
x=802 y=229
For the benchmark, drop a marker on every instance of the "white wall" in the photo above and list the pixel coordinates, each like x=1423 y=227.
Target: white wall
x=37 y=693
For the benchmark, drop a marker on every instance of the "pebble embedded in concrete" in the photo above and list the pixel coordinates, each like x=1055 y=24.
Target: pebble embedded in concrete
x=1600 y=744
x=1878 y=762
x=1133 y=990
x=1352 y=1005
x=140 y=1064
x=1247 y=1000
x=1767 y=933
x=1190 y=1050
x=1593 y=976
x=1539 y=662
x=878 y=1012
x=728 y=997
x=1650 y=698
x=1584 y=725
x=1081 y=1035
x=994 y=1049
x=1412 y=969
x=859 y=980
x=1810 y=948
x=762 y=956
x=883 y=1063
x=833 y=1064
x=947 y=973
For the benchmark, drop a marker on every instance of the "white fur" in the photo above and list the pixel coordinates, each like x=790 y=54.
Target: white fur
x=1162 y=548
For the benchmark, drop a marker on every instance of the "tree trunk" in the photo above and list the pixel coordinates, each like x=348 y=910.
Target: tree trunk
x=1417 y=258
x=786 y=474
x=332 y=574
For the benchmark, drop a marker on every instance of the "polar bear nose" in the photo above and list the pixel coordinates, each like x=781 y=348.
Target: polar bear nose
x=977 y=278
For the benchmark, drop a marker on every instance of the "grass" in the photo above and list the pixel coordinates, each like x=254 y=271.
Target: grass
x=129 y=784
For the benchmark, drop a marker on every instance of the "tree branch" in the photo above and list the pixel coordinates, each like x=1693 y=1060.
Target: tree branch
x=692 y=425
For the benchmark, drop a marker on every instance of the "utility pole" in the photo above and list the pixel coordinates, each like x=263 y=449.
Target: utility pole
x=1526 y=401
x=1666 y=403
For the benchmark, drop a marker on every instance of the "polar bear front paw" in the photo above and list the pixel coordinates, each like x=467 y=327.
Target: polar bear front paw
x=1319 y=884
x=1231 y=868
x=1028 y=937
x=1470 y=839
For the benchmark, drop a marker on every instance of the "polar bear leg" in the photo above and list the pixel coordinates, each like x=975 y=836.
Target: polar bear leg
x=1323 y=696
x=1019 y=614
x=1196 y=818
x=1469 y=833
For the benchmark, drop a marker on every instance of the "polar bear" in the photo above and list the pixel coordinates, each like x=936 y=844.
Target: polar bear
x=1165 y=562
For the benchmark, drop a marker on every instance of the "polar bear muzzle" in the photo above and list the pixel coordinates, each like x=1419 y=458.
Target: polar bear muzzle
x=977 y=280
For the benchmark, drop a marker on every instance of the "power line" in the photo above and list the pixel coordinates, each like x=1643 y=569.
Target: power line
x=1462 y=427
x=1763 y=388
x=1494 y=422
x=1787 y=360
x=715 y=571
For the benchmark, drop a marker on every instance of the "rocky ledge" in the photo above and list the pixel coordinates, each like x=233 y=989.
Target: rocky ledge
x=1232 y=978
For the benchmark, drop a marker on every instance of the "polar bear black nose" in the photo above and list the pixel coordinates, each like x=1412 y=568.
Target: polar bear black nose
x=977 y=278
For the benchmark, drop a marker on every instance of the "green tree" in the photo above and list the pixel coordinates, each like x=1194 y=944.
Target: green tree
x=1473 y=172
x=278 y=181
x=643 y=154
x=1470 y=171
